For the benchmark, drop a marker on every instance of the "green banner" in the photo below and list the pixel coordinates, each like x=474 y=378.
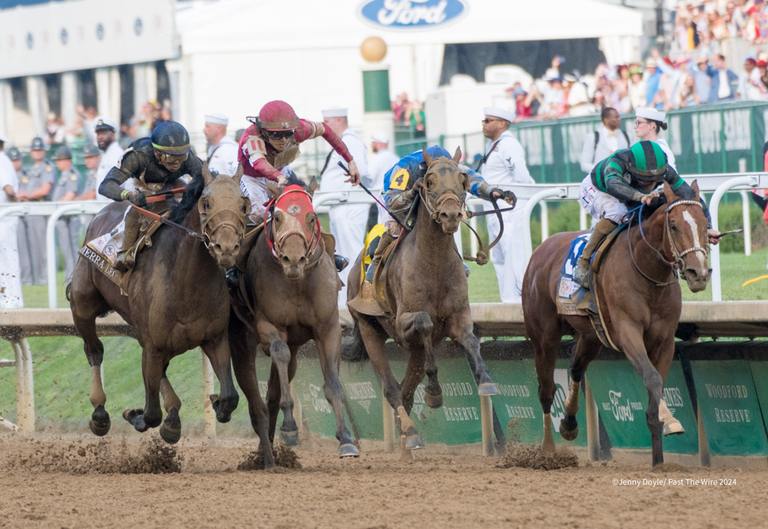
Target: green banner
x=760 y=378
x=517 y=404
x=622 y=399
x=728 y=404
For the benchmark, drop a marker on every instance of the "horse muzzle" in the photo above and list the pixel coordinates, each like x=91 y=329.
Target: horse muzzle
x=450 y=220
x=697 y=278
x=293 y=269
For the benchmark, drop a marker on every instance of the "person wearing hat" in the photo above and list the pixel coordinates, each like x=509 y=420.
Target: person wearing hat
x=222 y=150
x=382 y=160
x=106 y=131
x=348 y=221
x=92 y=160
x=35 y=184
x=65 y=190
x=649 y=123
x=503 y=165
x=604 y=140
x=10 y=278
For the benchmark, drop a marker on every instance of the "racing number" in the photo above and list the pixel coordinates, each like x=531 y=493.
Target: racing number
x=400 y=179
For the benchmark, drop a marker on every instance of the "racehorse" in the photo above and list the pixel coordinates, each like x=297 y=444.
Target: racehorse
x=426 y=289
x=291 y=285
x=640 y=297
x=176 y=300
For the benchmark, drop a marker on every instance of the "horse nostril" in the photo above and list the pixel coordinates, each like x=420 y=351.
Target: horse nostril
x=302 y=259
x=217 y=247
x=285 y=259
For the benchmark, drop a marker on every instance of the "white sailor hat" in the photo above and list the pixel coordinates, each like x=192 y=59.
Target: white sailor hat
x=104 y=123
x=379 y=137
x=496 y=112
x=651 y=114
x=217 y=119
x=335 y=112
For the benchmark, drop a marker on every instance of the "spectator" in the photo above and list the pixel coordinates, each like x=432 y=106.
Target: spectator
x=91 y=158
x=554 y=102
x=750 y=86
x=65 y=190
x=221 y=155
x=604 y=140
x=35 y=185
x=111 y=151
x=54 y=129
x=652 y=78
x=381 y=161
x=702 y=80
x=416 y=119
x=725 y=83
x=554 y=67
x=400 y=107
x=687 y=94
x=637 y=88
x=10 y=271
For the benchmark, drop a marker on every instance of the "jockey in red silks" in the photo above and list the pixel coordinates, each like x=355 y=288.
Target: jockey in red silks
x=271 y=143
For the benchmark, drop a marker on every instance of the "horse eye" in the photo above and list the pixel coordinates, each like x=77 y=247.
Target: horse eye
x=206 y=203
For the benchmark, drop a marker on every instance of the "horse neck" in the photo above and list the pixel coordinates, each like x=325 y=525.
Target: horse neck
x=648 y=260
x=431 y=240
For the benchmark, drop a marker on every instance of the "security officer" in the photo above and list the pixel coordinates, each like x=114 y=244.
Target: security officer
x=156 y=164
x=92 y=160
x=35 y=184
x=106 y=129
x=65 y=190
x=222 y=150
x=348 y=222
x=503 y=165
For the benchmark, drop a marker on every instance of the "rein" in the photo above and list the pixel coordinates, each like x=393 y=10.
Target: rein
x=677 y=263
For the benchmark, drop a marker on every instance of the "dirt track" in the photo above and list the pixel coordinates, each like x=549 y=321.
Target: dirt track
x=52 y=482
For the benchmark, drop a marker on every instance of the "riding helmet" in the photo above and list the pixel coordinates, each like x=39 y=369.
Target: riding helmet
x=647 y=160
x=170 y=137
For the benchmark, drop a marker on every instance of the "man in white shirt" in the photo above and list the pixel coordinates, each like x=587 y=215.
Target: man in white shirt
x=348 y=221
x=222 y=150
x=10 y=268
x=382 y=161
x=603 y=141
x=106 y=130
x=503 y=165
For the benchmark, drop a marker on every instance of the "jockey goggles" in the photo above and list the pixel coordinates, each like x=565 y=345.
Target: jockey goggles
x=279 y=134
x=172 y=154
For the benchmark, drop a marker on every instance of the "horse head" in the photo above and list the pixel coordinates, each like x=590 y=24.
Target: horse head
x=685 y=226
x=443 y=190
x=294 y=231
x=222 y=211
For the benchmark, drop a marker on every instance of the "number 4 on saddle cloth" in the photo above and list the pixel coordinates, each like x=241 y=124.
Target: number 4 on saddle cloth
x=572 y=298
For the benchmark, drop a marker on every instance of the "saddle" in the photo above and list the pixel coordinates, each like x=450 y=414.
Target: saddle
x=102 y=251
x=381 y=272
x=575 y=300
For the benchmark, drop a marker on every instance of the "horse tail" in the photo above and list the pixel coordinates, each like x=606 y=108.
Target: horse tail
x=188 y=200
x=355 y=350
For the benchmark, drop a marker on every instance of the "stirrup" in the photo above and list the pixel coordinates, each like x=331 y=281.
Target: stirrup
x=365 y=301
x=340 y=261
x=582 y=276
x=232 y=275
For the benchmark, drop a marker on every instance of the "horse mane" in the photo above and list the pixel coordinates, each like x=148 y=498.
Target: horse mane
x=188 y=200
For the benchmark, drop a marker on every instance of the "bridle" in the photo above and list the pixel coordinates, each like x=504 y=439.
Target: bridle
x=677 y=262
x=276 y=241
x=433 y=203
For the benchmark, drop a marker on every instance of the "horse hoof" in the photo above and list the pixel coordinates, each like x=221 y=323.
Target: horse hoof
x=100 y=423
x=673 y=428
x=487 y=389
x=569 y=428
x=289 y=437
x=136 y=418
x=433 y=401
x=413 y=442
x=348 y=450
x=170 y=430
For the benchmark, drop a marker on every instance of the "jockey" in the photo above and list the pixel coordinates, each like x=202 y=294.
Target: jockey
x=157 y=163
x=624 y=179
x=399 y=193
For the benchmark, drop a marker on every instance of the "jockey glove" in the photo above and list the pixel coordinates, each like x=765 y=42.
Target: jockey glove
x=138 y=198
x=508 y=196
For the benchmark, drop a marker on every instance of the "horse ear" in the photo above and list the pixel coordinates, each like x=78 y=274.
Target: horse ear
x=313 y=185
x=427 y=157
x=669 y=193
x=207 y=176
x=695 y=187
x=239 y=174
x=457 y=155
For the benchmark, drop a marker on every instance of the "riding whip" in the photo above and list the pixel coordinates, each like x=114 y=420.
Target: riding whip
x=379 y=202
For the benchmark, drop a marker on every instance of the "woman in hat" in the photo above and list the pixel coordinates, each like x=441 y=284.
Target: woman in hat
x=649 y=123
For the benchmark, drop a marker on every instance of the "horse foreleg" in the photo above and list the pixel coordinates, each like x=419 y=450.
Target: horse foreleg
x=631 y=342
x=585 y=350
x=218 y=353
x=94 y=352
x=546 y=342
x=170 y=430
x=661 y=357
x=416 y=328
x=281 y=360
x=328 y=342
x=152 y=369
x=244 y=362
x=460 y=330
x=414 y=373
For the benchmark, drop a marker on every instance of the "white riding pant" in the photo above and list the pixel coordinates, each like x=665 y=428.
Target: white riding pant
x=599 y=204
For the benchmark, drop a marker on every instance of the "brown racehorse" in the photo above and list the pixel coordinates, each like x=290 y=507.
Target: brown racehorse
x=176 y=300
x=641 y=301
x=427 y=291
x=292 y=286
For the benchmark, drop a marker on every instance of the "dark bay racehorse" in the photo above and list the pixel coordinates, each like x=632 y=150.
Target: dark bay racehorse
x=641 y=301
x=292 y=285
x=427 y=292
x=176 y=300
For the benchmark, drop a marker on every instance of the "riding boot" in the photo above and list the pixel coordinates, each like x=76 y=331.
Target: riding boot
x=232 y=275
x=340 y=262
x=582 y=273
x=126 y=257
x=365 y=302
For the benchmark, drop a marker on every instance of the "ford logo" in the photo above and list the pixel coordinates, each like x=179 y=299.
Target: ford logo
x=400 y=14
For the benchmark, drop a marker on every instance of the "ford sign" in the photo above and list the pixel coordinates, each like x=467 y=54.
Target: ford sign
x=404 y=14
